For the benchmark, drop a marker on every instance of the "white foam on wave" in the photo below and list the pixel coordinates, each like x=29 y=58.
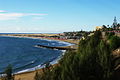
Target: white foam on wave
x=55 y=61
x=67 y=44
x=31 y=69
x=60 y=42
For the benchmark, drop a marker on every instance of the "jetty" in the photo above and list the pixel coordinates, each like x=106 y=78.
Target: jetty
x=59 y=48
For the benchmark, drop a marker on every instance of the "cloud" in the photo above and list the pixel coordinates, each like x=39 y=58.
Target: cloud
x=10 y=16
x=2 y=11
x=37 y=18
x=34 y=14
x=14 y=16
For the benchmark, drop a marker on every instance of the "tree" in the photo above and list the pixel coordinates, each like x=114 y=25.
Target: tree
x=105 y=58
x=92 y=61
x=37 y=76
x=104 y=27
x=109 y=35
x=8 y=73
x=45 y=74
x=114 y=42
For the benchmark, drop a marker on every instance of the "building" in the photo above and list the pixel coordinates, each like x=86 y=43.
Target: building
x=99 y=27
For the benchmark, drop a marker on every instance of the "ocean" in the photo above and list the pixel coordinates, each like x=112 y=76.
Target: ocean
x=22 y=54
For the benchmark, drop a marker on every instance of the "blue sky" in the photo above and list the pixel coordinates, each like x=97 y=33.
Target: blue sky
x=56 y=15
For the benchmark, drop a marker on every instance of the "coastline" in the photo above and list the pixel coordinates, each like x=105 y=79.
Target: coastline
x=72 y=41
x=29 y=74
x=43 y=36
x=41 y=66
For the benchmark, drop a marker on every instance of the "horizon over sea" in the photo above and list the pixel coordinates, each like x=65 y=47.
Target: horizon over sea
x=22 y=54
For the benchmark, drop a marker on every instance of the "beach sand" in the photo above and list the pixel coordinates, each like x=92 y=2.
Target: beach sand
x=29 y=75
x=25 y=76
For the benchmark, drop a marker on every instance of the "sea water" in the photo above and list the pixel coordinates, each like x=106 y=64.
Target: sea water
x=22 y=54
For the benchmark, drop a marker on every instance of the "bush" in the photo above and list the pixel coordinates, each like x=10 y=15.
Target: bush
x=114 y=42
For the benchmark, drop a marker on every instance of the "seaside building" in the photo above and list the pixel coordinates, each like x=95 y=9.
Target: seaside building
x=99 y=27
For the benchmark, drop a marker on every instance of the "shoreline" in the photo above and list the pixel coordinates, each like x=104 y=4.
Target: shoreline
x=41 y=66
x=71 y=41
x=25 y=74
x=28 y=75
x=40 y=36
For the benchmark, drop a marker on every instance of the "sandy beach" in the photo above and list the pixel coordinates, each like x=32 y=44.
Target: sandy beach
x=43 y=36
x=27 y=75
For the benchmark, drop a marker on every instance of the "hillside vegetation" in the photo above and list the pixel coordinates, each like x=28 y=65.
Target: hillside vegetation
x=92 y=61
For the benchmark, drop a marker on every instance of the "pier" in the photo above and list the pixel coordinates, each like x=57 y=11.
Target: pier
x=59 y=48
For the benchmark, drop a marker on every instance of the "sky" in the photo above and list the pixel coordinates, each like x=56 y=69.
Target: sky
x=54 y=16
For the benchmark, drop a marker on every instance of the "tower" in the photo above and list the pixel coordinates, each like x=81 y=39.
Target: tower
x=115 y=23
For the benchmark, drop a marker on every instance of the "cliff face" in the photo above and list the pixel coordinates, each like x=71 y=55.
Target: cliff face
x=116 y=53
x=116 y=60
